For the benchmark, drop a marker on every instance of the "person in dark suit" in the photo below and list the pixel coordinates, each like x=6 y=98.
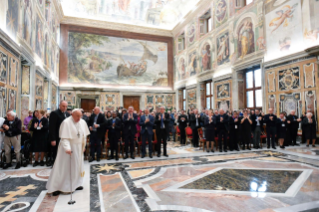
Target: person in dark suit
x=292 y=128
x=310 y=124
x=56 y=118
x=97 y=125
x=146 y=123
x=270 y=119
x=162 y=130
x=256 y=127
x=246 y=123
x=114 y=127
x=234 y=132
x=182 y=124
x=222 y=127
x=195 y=123
x=281 y=129
x=129 y=131
x=210 y=122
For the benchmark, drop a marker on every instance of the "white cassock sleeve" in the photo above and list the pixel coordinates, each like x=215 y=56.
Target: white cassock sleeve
x=65 y=144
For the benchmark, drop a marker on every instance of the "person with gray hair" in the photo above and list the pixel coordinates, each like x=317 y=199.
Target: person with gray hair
x=310 y=124
x=12 y=130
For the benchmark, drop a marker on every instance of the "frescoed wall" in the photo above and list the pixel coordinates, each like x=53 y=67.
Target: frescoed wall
x=223 y=94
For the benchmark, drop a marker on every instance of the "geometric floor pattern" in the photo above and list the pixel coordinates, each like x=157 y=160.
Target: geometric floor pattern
x=189 y=180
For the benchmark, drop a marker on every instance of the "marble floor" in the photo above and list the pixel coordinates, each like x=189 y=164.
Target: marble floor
x=189 y=180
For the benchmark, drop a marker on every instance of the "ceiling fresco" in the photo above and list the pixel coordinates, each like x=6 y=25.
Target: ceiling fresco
x=161 y=14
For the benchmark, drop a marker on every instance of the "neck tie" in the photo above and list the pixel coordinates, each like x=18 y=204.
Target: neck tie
x=162 y=122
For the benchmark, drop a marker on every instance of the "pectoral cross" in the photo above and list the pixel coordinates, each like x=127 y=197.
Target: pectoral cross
x=78 y=134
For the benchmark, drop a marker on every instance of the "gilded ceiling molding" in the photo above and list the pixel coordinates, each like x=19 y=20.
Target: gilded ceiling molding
x=114 y=26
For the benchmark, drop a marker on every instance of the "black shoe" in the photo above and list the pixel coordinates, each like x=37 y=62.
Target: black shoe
x=79 y=188
x=132 y=157
x=18 y=165
x=110 y=158
x=91 y=160
x=225 y=150
x=6 y=165
x=307 y=145
x=56 y=193
x=166 y=155
x=297 y=145
x=231 y=150
x=143 y=156
x=98 y=160
x=243 y=148
x=212 y=150
x=248 y=148
x=116 y=158
x=36 y=163
x=220 y=150
x=125 y=157
x=151 y=156
x=49 y=163
x=41 y=163
x=274 y=147
x=313 y=145
x=158 y=155
x=237 y=149
x=207 y=151
x=268 y=147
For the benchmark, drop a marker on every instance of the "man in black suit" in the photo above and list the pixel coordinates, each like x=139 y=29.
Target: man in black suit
x=56 y=118
x=223 y=128
x=162 y=129
x=271 y=120
x=129 y=131
x=147 y=123
x=195 y=123
x=97 y=125
x=114 y=127
x=256 y=127
x=182 y=124
x=293 y=125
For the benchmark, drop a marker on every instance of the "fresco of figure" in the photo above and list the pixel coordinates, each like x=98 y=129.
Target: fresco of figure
x=206 y=57
x=246 y=44
x=223 y=49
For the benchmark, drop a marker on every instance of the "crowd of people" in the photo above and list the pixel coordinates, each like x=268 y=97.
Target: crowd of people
x=125 y=127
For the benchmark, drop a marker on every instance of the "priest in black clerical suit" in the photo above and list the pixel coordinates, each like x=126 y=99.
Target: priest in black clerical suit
x=270 y=119
x=114 y=127
x=56 y=118
x=162 y=120
x=195 y=123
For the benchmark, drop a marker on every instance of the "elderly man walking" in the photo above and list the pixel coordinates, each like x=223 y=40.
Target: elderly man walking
x=12 y=130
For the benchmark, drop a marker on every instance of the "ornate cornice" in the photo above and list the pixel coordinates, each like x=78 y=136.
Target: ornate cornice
x=114 y=26
x=58 y=9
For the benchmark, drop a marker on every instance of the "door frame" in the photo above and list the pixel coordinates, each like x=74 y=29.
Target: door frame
x=132 y=94
x=79 y=97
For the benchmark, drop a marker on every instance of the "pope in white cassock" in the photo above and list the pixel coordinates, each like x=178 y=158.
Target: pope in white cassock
x=73 y=133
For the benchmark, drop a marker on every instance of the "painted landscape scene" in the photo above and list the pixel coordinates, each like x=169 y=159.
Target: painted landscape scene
x=116 y=61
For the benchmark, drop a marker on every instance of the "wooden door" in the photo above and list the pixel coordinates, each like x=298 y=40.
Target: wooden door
x=132 y=101
x=87 y=105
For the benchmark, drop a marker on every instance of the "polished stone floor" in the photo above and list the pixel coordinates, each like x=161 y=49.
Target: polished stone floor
x=189 y=180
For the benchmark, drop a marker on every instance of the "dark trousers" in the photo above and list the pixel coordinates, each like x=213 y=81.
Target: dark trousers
x=292 y=135
x=246 y=135
x=129 y=141
x=95 y=145
x=195 y=137
x=113 y=145
x=53 y=151
x=148 y=136
x=161 y=135
x=183 y=136
x=173 y=131
x=271 y=132
x=233 y=144
x=222 y=134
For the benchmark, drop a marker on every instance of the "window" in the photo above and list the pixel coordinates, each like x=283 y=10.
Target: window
x=184 y=98
x=253 y=88
x=205 y=23
x=181 y=42
x=248 y=1
x=208 y=95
